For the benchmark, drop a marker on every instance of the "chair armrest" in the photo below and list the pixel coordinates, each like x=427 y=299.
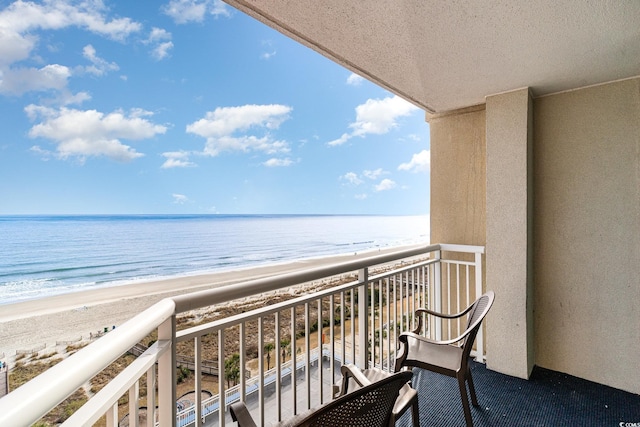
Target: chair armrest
x=352 y=371
x=420 y=311
x=241 y=415
x=403 y=338
x=443 y=315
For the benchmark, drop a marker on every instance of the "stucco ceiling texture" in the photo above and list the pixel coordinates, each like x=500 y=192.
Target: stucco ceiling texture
x=446 y=55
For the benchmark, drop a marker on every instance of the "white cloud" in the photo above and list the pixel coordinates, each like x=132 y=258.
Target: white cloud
x=385 y=184
x=19 y=23
x=270 y=50
x=374 y=174
x=176 y=163
x=379 y=116
x=352 y=178
x=344 y=138
x=220 y=127
x=90 y=133
x=68 y=98
x=179 y=199
x=177 y=159
x=420 y=162
x=376 y=116
x=275 y=162
x=14 y=46
x=226 y=120
x=44 y=154
x=245 y=143
x=140 y=112
x=354 y=79
x=160 y=39
x=158 y=34
x=161 y=51
x=20 y=19
x=99 y=66
x=184 y=11
x=16 y=81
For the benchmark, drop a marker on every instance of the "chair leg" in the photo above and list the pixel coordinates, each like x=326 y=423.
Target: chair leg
x=465 y=401
x=472 y=390
x=415 y=413
x=392 y=420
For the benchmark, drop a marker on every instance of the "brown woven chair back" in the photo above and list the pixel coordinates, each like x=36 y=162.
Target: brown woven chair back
x=369 y=406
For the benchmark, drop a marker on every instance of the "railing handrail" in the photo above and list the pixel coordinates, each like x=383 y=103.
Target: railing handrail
x=34 y=399
x=195 y=300
x=451 y=247
x=90 y=412
x=30 y=402
x=215 y=325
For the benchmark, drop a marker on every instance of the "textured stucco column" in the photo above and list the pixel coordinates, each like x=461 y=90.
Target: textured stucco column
x=509 y=249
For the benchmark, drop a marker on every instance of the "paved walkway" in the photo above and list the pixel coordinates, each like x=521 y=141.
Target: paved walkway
x=270 y=407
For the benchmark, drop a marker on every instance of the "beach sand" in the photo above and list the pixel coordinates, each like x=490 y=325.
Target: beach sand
x=70 y=317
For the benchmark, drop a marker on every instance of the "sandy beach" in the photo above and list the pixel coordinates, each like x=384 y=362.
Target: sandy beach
x=69 y=317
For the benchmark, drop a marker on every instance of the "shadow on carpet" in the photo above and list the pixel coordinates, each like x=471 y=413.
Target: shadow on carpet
x=548 y=398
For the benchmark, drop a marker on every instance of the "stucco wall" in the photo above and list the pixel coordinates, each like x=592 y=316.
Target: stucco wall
x=587 y=233
x=458 y=178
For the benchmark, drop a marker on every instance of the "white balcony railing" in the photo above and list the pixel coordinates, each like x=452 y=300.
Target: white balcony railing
x=323 y=328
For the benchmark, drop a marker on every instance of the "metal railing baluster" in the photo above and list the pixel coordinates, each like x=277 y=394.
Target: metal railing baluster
x=307 y=345
x=278 y=362
x=221 y=378
x=198 y=379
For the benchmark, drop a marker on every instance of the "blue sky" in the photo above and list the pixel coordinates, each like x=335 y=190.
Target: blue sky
x=189 y=106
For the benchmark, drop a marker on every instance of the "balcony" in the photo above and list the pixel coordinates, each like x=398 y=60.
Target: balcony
x=304 y=327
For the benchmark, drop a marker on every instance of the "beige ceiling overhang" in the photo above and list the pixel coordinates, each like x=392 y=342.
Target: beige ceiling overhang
x=446 y=55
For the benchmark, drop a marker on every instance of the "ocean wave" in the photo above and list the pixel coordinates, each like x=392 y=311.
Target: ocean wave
x=59 y=254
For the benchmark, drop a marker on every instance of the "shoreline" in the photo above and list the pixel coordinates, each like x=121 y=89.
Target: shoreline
x=66 y=317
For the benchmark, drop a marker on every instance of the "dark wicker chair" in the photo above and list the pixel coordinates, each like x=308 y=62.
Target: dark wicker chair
x=354 y=378
x=369 y=406
x=450 y=357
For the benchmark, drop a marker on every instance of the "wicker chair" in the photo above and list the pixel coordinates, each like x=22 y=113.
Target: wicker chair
x=354 y=378
x=450 y=357
x=369 y=406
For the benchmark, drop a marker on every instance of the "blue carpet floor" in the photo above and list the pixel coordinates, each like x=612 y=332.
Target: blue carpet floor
x=548 y=398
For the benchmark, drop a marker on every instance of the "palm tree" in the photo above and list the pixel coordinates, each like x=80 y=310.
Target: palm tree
x=267 y=349
x=232 y=369
x=284 y=345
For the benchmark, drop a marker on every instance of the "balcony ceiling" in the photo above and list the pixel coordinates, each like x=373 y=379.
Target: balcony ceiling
x=446 y=55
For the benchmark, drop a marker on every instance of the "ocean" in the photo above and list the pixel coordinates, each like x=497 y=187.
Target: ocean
x=42 y=256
